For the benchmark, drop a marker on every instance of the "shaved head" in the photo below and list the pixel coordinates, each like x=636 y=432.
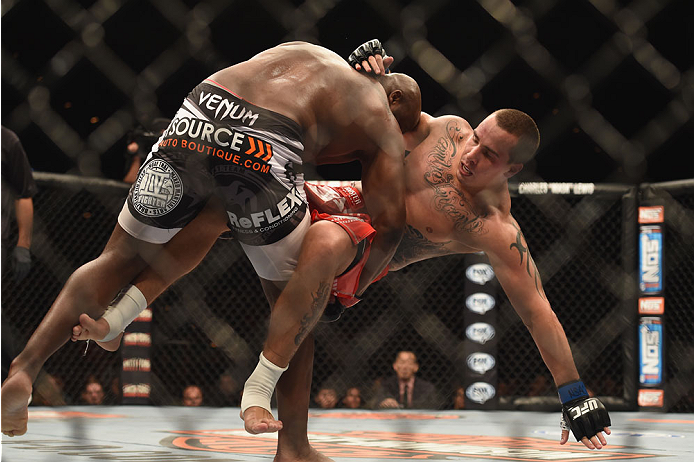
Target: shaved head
x=404 y=98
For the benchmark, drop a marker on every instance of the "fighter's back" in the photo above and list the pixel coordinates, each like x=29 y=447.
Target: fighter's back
x=332 y=103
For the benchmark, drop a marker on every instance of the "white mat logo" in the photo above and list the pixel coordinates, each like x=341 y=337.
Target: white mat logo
x=158 y=189
x=480 y=273
x=480 y=392
x=480 y=302
x=481 y=362
x=480 y=332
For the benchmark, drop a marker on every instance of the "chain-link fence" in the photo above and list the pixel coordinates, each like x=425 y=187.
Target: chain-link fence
x=678 y=266
x=609 y=82
x=208 y=328
x=75 y=87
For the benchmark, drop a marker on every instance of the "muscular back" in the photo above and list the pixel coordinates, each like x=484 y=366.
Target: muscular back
x=340 y=111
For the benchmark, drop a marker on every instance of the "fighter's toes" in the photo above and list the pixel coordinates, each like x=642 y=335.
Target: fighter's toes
x=76 y=332
x=258 y=420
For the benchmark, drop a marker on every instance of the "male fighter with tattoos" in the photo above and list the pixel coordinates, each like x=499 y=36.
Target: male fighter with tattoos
x=457 y=200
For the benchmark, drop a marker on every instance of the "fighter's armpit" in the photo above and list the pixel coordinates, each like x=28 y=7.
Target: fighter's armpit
x=414 y=246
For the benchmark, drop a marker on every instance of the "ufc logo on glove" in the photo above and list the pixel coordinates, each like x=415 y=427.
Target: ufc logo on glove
x=588 y=406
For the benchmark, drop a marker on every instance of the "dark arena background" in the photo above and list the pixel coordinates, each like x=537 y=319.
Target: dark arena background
x=609 y=82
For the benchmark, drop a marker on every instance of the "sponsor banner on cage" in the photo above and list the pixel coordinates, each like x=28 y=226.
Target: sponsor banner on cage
x=651 y=398
x=654 y=214
x=137 y=339
x=480 y=332
x=650 y=351
x=480 y=273
x=136 y=390
x=480 y=392
x=651 y=259
x=480 y=303
x=144 y=316
x=556 y=188
x=480 y=362
x=651 y=305
x=137 y=364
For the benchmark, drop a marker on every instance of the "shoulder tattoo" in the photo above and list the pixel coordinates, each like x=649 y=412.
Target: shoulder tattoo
x=530 y=266
x=447 y=198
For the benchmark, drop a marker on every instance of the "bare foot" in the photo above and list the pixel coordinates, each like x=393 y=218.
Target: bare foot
x=310 y=456
x=90 y=329
x=258 y=420
x=16 y=392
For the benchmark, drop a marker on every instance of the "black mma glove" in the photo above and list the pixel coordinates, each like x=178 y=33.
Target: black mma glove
x=333 y=311
x=363 y=51
x=585 y=416
x=21 y=262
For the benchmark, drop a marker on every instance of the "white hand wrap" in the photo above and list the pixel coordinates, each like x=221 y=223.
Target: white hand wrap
x=261 y=384
x=562 y=424
x=123 y=312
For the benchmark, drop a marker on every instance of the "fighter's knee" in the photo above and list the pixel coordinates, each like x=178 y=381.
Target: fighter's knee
x=328 y=243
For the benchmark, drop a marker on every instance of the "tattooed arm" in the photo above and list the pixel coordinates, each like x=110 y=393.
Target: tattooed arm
x=515 y=269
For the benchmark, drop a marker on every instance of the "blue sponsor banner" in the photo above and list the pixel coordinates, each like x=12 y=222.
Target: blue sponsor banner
x=651 y=259
x=650 y=351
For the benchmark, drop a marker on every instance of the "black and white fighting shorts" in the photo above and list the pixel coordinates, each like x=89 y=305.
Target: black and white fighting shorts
x=251 y=157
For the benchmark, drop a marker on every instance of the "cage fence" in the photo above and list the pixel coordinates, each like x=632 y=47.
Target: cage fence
x=208 y=328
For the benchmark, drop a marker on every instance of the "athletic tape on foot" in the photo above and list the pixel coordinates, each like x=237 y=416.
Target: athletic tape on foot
x=261 y=384
x=123 y=312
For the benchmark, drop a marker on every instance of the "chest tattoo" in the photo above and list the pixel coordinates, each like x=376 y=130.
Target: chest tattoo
x=447 y=198
x=414 y=246
x=530 y=266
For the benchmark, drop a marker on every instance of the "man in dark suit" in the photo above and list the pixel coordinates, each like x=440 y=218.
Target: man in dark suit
x=404 y=390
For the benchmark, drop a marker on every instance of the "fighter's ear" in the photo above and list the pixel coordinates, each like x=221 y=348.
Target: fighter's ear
x=395 y=96
x=513 y=169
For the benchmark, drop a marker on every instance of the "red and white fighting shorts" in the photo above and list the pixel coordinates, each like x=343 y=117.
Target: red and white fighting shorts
x=345 y=206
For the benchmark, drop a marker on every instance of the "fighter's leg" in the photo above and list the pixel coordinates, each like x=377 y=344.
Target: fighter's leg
x=175 y=259
x=88 y=290
x=293 y=397
x=326 y=252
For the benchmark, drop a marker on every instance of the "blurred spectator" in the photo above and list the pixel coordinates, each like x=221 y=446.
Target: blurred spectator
x=404 y=390
x=48 y=391
x=326 y=398
x=140 y=142
x=228 y=391
x=540 y=386
x=18 y=188
x=93 y=392
x=459 y=398
x=508 y=387
x=113 y=393
x=352 y=399
x=192 y=396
